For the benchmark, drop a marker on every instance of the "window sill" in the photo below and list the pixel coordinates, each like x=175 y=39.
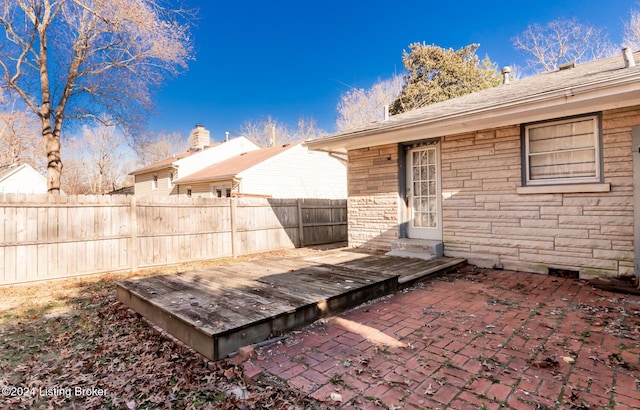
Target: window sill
x=564 y=189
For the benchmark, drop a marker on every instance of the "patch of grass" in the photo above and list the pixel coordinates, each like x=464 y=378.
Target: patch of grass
x=299 y=360
x=76 y=333
x=336 y=379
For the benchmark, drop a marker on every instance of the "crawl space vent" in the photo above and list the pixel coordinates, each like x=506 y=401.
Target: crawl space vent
x=564 y=273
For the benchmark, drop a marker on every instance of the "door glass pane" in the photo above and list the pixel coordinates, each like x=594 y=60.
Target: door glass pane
x=432 y=172
x=431 y=156
x=424 y=195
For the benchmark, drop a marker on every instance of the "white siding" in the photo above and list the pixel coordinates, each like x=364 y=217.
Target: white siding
x=144 y=183
x=196 y=162
x=26 y=180
x=193 y=163
x=297 y=173
x=204 y=189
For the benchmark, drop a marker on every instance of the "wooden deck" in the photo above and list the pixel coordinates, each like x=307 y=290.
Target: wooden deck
x=220 y=309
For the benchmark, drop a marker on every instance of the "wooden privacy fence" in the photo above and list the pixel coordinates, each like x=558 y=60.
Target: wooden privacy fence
x=45 y=237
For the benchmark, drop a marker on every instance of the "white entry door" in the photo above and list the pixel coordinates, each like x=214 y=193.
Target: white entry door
x=424 y=196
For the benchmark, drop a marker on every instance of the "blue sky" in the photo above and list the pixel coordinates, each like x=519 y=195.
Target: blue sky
x=290 y=59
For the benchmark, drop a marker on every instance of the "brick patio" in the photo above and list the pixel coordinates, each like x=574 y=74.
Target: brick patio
x=472 y=338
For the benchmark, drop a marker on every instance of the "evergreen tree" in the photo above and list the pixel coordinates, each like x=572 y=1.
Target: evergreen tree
x=436 y=74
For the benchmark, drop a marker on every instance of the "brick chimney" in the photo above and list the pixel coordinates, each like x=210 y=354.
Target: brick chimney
x=199 y=138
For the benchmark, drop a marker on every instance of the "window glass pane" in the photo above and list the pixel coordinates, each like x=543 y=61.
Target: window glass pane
x=424 y=173
x=416 y=173
x=432 y=172
x=561 y=130
x=562 y=143
x=432 y=220
x=577 y=164
x=563 y=150
x=431 y=156
x=424 y=220
x=432 y=187
x=416 y=204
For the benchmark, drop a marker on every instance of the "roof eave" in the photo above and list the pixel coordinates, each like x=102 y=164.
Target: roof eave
x=218 y=178
x=617 y=93
x=153 y=169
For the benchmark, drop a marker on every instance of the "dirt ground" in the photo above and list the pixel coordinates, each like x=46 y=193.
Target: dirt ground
x=72 y=344
x=471 y=339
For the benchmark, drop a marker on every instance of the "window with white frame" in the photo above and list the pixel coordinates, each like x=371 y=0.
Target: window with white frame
x=154 y=182
x=563 y=151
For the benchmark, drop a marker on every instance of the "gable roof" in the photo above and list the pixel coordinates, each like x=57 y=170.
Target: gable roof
x=594 y=86
x=169 y=162
x=231 y=167
x=165 y=163
x=6 y=171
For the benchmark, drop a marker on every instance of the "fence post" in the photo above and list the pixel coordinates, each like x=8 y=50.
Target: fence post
x=133 y=225
x=300 y=225
x=232 y=204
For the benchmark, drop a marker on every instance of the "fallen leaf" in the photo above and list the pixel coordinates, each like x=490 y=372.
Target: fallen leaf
x=429 y=390
x=547 y=363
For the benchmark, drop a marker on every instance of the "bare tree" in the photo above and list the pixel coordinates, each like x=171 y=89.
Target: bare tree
x=151 y=147
x=359 y=106
x=20 y=139
x=73 y=178
x=81 y=58
x=266 y=132
x=308 y=129
x=632 y=31
x=99 y=158
x=561 y=41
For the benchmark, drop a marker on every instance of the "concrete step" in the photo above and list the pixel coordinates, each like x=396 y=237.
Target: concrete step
x=416 y=248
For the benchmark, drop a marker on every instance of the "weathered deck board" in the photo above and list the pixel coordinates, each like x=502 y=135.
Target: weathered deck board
x=217 y=310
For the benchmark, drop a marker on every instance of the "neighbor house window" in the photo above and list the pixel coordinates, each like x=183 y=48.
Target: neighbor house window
x=154 y=182
x=562 y=152
x=172 y=177
x=189 y=192
x=219 y=193
x=228 y=192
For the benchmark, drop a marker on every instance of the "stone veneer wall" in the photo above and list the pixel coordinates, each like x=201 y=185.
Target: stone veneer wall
x=373 y=196
x=488 y=223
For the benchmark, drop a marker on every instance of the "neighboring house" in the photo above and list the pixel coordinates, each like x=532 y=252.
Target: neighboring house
x=125 y=190
x=21 y=179
x=287 y=171
x=158 y=179
x=535 y=175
